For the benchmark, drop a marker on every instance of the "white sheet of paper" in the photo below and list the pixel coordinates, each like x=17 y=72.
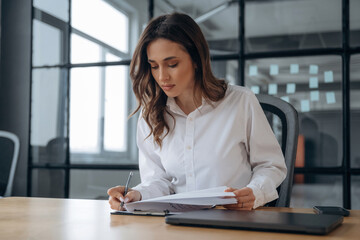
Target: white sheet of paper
x=255 y=89
x=330 y=97
x=294 y=68
x=272 y=89
x=314 y=96
x=305 y=105
x=285 y=98
x=252 y=70
x=290 y=88
x=328 y=76
x=274 y=69
x=313 y=82
x=184 y=201
x=313 y=69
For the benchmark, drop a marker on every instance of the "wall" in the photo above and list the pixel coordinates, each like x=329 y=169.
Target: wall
x=15 y=80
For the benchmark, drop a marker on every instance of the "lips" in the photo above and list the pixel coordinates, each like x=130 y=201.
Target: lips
x=167 y=87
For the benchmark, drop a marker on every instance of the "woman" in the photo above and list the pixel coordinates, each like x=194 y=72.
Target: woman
x=195 y=131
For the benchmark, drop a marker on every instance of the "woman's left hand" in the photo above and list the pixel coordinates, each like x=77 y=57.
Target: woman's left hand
x=245 y=198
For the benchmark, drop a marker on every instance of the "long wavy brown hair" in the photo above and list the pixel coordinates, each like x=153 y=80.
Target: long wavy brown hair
x=182 y=29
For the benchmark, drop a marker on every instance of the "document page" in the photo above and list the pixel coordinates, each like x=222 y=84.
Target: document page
x=182 y=202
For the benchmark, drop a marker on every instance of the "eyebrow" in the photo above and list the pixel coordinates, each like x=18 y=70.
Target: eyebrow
x=165 y=59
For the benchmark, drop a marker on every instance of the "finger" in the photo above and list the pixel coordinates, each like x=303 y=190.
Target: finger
x=248 y=198
x=115 y=204
x=132 y=196
x=230 y=189
x=116 y=192
x=243 y=192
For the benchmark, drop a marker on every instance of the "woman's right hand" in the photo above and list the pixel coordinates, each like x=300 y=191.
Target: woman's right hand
x=116 y=197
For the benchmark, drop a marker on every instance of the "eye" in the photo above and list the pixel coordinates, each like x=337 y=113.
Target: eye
x=154 y=67
x=173 y=65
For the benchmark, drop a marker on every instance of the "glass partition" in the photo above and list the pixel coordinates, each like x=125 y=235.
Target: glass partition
x=220 y=30
x=93 y=184
x=48 y=44
x=48 y=183
x=57 y=8
x=355 y=192
x=327 y=191
x=292 y=25
x=48 y=115
x=355 y=110
x=313 y=86
x=354 y=23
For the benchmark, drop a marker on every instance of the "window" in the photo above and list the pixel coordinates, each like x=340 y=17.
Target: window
x=302 y=51
x=81 y=91
x=98 y=95
x=294 y=50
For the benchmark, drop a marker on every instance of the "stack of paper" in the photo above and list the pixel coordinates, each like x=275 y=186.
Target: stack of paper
x=182 y=202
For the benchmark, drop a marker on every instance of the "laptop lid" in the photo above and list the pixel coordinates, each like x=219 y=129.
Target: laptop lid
x=258 y=220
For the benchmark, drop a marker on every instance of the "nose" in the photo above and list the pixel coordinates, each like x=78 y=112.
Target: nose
x=163 y=75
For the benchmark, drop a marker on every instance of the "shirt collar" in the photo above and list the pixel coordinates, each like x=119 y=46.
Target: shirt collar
x=173 y=107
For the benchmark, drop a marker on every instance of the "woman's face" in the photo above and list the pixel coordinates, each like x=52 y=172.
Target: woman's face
x=172 y=68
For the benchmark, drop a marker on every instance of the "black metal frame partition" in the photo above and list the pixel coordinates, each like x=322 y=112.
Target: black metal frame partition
x=345 y=52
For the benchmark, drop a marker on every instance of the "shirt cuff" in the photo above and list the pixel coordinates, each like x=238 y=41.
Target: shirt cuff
x=144 y=194
x=261 y=198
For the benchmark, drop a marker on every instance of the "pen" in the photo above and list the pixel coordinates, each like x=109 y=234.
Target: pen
x=126 y=187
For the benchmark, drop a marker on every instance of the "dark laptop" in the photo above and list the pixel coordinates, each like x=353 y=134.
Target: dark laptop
x=258 y=220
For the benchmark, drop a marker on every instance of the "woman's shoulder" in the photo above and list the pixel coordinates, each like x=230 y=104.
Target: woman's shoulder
x=235 y=91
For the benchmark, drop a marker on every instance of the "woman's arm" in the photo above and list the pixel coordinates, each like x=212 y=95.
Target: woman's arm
x=154 y=180
x=265 y=156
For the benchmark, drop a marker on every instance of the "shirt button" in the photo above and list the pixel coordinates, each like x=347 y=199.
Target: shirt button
x=190 y=118
x=190 y=175
x=188 y=147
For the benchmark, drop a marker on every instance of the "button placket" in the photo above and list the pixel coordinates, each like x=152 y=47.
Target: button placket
x=189 y=153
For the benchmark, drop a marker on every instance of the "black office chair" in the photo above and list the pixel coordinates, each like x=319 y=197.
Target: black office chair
x=9 y=152
x=289 y=138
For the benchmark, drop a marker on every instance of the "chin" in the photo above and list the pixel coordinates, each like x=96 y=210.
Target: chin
x=169 y=94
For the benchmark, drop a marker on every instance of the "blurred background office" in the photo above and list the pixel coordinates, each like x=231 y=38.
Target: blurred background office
x=65 y=89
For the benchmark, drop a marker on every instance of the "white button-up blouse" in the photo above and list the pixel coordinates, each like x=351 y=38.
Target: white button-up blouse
x=228 y=142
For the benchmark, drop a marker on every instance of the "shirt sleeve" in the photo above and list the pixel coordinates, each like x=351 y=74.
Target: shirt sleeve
x=266 y=158
x=154 y=180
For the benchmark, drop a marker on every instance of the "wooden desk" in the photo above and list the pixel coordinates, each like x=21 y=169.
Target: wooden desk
x=43 y=218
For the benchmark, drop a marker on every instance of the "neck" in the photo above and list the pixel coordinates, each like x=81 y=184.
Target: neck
x=189 y=104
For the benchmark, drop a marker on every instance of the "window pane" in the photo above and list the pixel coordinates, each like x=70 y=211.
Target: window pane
x=103 y=21
x=313 y=86
x=83 y=50
x=217 y=19
x=93 y=184
x=355 y=192
x=57 y=8
x=116 y=89
x=355 y=110
x=323 y=190
x=46 y=44
x=99 y=107
x=48 y=183
x=85 y=118
x=227 y=70
x=354 y=23
x=289 y=25
x=48 y=115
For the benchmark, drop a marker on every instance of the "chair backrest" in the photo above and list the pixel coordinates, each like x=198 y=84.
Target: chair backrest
x=289 y=138
x=9 y=152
